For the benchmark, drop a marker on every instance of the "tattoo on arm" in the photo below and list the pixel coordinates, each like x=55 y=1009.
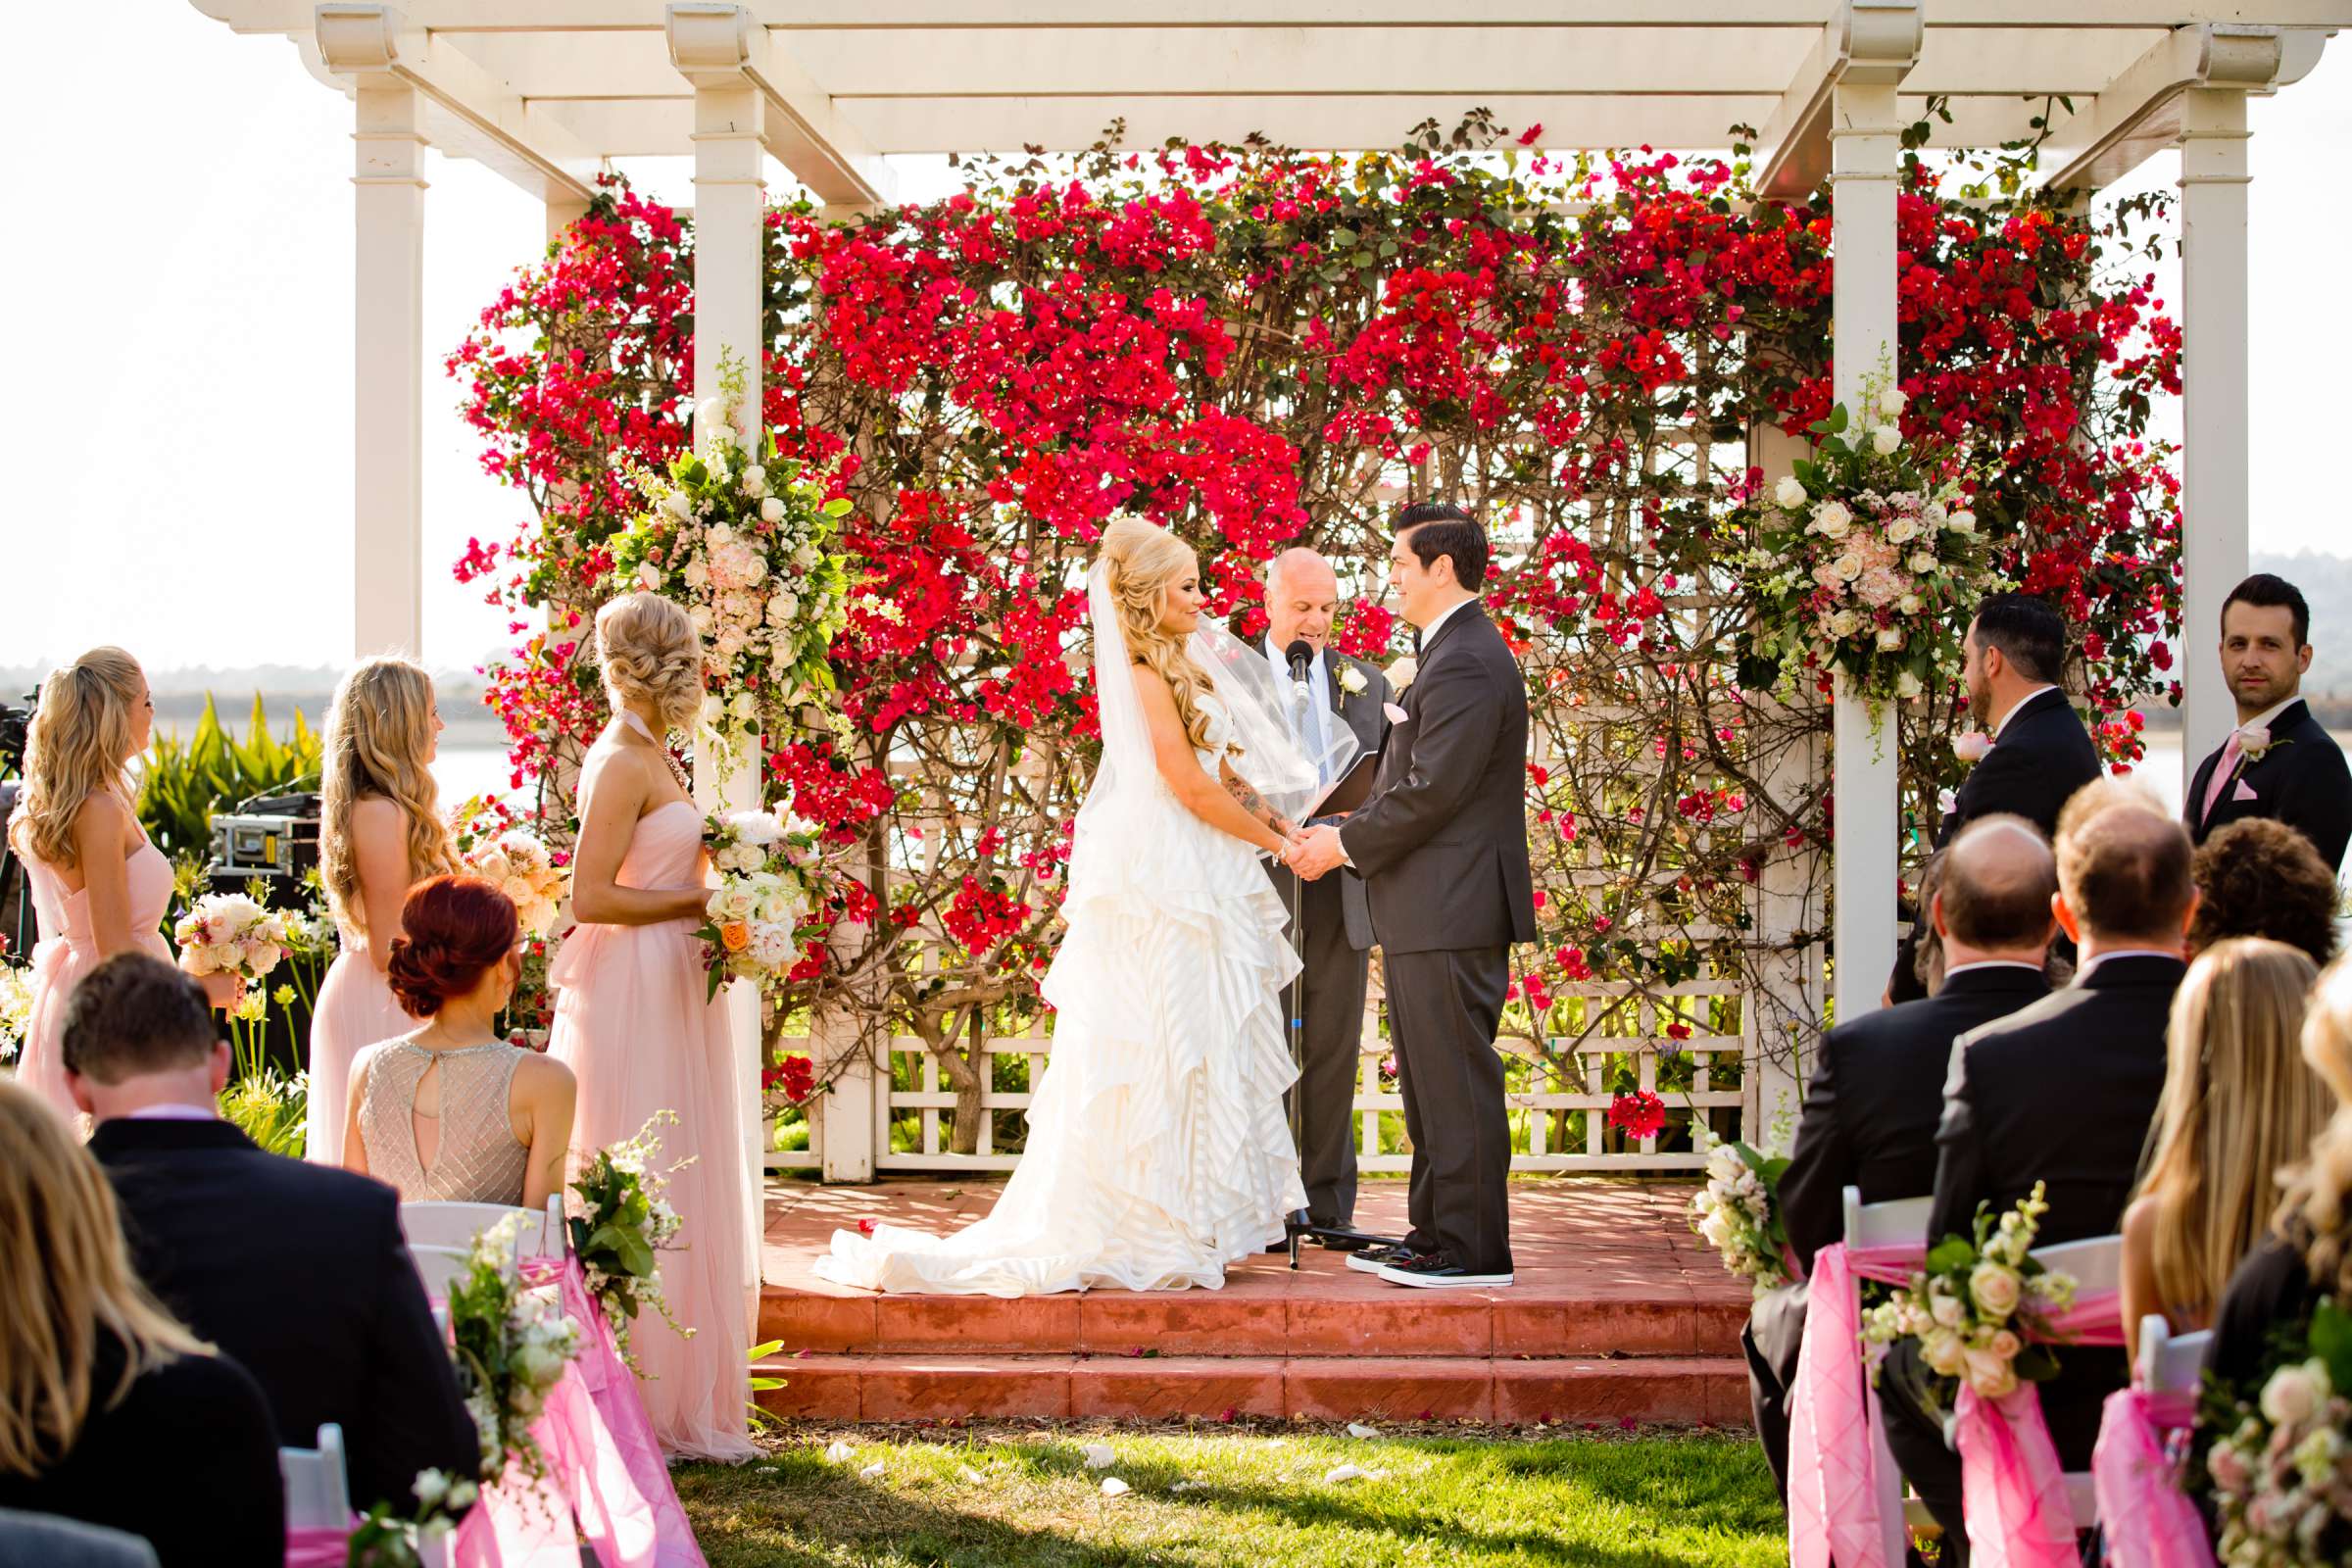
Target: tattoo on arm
x=1250 y=801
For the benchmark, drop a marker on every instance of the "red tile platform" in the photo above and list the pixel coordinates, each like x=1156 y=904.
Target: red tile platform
x=1619 y=1312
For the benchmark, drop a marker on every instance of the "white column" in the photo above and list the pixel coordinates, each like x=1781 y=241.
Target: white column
x=1865 y=141
x=388 y=372
x=2214 y=544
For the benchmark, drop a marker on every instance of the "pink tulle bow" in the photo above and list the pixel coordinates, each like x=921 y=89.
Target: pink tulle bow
x=2015 y=1492
x=1832 y=1463
x=2145 y=1518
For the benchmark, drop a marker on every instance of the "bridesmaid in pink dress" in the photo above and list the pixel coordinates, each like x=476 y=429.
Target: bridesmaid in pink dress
x=379 y=834
x=634 y=1027
x=99 y=887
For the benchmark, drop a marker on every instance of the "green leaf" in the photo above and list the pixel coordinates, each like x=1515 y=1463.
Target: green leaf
x=839 y=507
x=1838 y=420
x=1951 y=1254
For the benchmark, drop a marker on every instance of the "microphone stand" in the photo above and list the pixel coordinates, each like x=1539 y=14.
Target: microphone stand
x=1297 y=1227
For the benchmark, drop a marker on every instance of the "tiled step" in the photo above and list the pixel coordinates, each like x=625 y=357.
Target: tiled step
x=1398 y=1390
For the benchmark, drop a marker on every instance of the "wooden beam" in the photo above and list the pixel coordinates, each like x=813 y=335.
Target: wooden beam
x=2137 y=114
x=712 y=44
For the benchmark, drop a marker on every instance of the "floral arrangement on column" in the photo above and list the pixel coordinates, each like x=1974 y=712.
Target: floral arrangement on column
x=1867 y=561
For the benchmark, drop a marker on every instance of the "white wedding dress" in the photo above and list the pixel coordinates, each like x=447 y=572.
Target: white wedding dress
x=1158 y=1150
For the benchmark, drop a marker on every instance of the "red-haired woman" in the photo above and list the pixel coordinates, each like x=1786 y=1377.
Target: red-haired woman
x=450 y=1112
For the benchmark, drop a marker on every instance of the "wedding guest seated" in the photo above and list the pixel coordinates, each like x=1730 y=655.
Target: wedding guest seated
x=451 y=1112
x=2309 y=1252
x=2259 y=878
x=298 y=1271
x=2063 y=1092
x=1875 y=1090
x=111 y=1410
x=2240 y=1105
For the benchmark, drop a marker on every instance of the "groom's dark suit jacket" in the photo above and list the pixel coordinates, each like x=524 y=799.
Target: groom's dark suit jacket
x=1361 y=712
x=2301 y=781
x=1442 y=846
x=302 y=1274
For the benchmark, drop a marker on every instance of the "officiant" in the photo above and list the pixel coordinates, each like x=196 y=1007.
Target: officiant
x=1332 y=930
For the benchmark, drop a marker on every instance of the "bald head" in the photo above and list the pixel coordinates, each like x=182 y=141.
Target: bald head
x=2125 y=875
x=1303 y=595
x=1994 y=897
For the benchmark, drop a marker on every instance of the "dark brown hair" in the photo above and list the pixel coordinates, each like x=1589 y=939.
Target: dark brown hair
x=136 y=1015
x=453 y=928
x=2126 y=871
x=2260 y=878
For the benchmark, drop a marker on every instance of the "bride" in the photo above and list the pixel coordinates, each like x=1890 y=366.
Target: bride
x=1158 y=1149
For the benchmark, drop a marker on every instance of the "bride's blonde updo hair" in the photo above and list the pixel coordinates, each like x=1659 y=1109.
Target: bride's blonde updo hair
x=377 y=731
x=652 y=656
x=1142 y=562
x=77 y=748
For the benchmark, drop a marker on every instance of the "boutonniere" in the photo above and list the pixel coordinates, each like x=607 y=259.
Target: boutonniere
x=1401 y=674
x=2254 y=743
x=1351 y=680
x=1972 y=745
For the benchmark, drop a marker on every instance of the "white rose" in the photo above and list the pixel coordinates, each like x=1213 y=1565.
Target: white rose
x=263 y=958
x=430 y=1486
x=1908 y=604
x=517 y=890
x=1902 y=530
x=1351 y=679
x=2293 y=1394
x=1789 y=492
x=755 y=480
x=1995 y=1290
x=1934 y=514
x=1992 y=1376
x=1848 y=566
x=1884 y=439
x=712 y=709
x=746 y=704
x=1948 y=1311
x=699 y=615
x=1401 y=673
x=491 y=866
x=1922 y=562
x=649 y=576
x=1891 y=401
x=710 y=413
x=227 y=955
x=1831 y=521
x=1844 y=623
x=695 y=575
x=771 y=510
x=1907 y=686
x=783 y=607
x=677 y=505
x=1943 y=1353
x=1962 y=521
x=805 y=556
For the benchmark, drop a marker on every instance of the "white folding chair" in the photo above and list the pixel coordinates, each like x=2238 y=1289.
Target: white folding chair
x=540 y=1234
x=2169 y=1362
x=1899 y=1222
x=317 y=1488
x=436 y=1266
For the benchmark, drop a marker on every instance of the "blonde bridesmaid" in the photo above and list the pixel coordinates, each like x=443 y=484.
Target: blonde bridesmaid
x=380 y=833
x=99 y=886
x=635 y=1026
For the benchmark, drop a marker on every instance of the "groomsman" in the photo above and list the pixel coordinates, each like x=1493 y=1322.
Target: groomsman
x=1332 y=930
x=1877 y=1087
x=2010 y=662
x=2280 y=762
x=2063 y=1092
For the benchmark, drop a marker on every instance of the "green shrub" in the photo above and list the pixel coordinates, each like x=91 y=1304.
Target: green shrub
x=182 y=783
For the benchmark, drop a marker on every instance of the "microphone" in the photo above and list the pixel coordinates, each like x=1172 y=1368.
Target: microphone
x=1301 y=653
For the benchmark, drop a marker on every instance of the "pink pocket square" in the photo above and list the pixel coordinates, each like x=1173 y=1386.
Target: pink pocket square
x=2243 y=792
x=1398 y=715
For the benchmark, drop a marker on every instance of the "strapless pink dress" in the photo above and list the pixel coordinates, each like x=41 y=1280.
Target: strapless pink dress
x=356 y=1010
x=68 y=950
x=632 y=1024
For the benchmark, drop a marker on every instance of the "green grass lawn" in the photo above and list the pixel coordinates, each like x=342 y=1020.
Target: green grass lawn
x=1211 y=1494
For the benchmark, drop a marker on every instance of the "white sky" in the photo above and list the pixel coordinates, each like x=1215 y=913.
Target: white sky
x=180 y=402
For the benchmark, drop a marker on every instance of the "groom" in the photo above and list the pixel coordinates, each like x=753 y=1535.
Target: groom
x=1442 y=847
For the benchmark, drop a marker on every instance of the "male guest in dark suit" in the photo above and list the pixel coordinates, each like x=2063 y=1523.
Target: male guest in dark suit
x=298 y=1271
x=2280 y=762
x=2061 y=1093
x=1442 y=847
x=2010 y=662
x=1877 y=1088
x=1333 y=930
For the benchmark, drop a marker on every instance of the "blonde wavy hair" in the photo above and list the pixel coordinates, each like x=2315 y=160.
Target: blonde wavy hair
x=68 y=1275
x=2314 y=1212
x=2238 y=1106
x=651 y=654
x=376 y=735
x=1142 y=562
x=77 y=748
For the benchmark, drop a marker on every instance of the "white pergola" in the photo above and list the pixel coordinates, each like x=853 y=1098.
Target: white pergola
x=548 y=92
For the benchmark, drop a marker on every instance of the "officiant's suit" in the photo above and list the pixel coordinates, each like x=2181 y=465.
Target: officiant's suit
x=2301 y=781
x=1872 y=1106
x=1441 y=848
x=1333 y=937
x=302 y=1274
x=2063 y=1092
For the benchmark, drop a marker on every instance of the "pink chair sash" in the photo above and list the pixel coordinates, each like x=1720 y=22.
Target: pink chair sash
x=2011 y=1483
x=2147 y=1520
x=1833 y=1466
x=318 y=1546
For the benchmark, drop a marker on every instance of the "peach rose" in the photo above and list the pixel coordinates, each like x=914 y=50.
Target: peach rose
x=735 y=935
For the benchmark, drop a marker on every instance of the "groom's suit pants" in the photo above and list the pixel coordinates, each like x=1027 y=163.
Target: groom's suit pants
x=1333 y=976
x=1443 y=1010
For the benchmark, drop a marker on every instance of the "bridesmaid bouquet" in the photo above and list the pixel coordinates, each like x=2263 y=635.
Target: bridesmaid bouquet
x=525 y=871
x=769 y=888
x=229 y=933
x=16 y=1009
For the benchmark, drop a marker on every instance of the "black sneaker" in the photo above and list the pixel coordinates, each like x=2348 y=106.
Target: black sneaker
x=1436 y=1271
x=1372 y=1259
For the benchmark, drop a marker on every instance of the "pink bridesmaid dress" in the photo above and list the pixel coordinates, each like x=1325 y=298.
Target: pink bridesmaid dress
x=634 y=1027
x=356 y=1010
x=68 y=950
